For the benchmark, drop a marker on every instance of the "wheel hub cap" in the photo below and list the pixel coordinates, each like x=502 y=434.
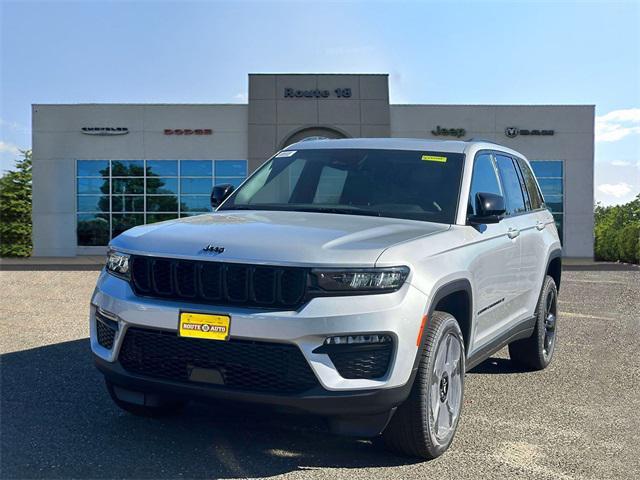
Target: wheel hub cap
x=445 y=390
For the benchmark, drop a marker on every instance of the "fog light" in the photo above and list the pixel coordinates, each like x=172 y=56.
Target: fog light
x=358 y=339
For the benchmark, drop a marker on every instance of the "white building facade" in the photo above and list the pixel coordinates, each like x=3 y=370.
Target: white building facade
x=99 y=169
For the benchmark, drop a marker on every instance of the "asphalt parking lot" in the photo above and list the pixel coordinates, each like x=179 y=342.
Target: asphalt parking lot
x=580 y=418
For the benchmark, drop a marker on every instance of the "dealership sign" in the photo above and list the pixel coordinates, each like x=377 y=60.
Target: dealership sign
x=188 y=131
x=317 y=93
x=513 y=132
x=104 y=131
x=448 y=132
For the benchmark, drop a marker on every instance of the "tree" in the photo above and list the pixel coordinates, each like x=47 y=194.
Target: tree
x=617 y=232
x=15 y=209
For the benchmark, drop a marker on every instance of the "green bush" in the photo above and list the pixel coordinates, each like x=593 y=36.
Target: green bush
x=617 y=232
x=15 y=209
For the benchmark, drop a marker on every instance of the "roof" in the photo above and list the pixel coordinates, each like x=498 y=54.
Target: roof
x=451 y=146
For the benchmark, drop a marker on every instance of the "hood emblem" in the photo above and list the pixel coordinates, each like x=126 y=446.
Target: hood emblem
x=211 y=248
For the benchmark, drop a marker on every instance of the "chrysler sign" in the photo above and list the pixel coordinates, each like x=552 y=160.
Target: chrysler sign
x=104 y=131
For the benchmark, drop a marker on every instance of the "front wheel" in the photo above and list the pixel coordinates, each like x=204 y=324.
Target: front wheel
x=424 y=426
x=536 y=351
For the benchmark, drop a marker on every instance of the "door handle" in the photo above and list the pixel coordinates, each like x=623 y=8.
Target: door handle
x=540 y=225
x=513 y=233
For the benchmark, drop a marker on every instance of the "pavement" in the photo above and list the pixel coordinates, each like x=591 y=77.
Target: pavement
x=577 y=419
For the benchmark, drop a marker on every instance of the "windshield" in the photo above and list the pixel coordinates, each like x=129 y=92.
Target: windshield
x=414 y=185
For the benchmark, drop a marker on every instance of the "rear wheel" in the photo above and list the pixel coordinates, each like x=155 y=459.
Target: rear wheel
x=536 y=351
x=149 y=406
x=424 y=426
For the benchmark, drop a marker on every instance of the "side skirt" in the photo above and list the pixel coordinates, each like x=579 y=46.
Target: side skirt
x=523 y=330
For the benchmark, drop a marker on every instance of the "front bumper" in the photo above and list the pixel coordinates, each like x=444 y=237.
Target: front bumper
x=397 y=314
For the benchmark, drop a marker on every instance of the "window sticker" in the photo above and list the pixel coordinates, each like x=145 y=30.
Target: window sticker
x=432 y=158
x=288 y=153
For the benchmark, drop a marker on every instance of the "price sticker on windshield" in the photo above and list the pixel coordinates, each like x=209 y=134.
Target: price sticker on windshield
x=433 y=158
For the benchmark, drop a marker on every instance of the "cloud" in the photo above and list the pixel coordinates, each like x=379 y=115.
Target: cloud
x=241 y=97
x=9 y=148
x=621 y=163
x=617 y=190
x=618 y=124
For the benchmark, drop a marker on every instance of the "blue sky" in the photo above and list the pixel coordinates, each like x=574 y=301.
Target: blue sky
x=452 y=52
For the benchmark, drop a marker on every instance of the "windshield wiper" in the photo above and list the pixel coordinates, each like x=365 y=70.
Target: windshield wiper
x=343 y=211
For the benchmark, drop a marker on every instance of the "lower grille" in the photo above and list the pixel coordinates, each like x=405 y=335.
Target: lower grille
x=239 y=364
x=372 y=362
x=106 y=332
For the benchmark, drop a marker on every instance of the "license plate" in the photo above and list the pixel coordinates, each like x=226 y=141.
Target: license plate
x=203 y=325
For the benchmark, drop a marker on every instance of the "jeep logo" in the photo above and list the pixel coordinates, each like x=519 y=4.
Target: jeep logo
x=211 y=248
x=448 y=132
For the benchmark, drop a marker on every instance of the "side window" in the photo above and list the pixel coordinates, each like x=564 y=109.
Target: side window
x=532 y=187
x=484 y=179
x=514 y=199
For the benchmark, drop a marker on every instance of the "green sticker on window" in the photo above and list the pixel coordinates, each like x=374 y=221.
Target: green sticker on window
x=433 y=158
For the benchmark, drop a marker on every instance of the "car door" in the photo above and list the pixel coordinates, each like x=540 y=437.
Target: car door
x=519 y=228
x=534 y=250
x=496 y=259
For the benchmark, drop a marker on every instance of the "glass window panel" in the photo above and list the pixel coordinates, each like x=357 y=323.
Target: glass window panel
x=164 y=203
x=93 y=203
x=160 y=217
x=127 y=203
x=190 y=203
x=231 y=168
x=127 y=186
x=235 y=181
x=549 y=168
x=532 y=188
x=554 y=203
x=121 y=222
x=196 y=185
x=559 y=218
x=514 y=200
x=330 y=185
x=550 y=186
x=162 y=168
x=196 y=168
x=92 y=229
x=162 y=186
x=189 y=214
x=93 y=185
x=93 y=168
x=484 y=179
x=127 y=168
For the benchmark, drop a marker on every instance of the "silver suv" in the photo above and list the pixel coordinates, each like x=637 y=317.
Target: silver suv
x=356 y=279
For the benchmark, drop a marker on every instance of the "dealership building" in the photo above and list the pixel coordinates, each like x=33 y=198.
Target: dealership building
x=99 y=169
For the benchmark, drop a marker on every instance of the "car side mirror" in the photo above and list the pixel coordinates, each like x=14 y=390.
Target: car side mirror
x=489 y=209
x=220 y=193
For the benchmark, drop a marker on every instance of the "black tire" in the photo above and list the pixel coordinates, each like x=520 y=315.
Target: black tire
x=536 y=352
x=162 y=408
x=412 y=431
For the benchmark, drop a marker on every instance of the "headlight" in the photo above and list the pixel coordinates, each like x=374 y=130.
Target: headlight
x=118 y=264
x=361 y=280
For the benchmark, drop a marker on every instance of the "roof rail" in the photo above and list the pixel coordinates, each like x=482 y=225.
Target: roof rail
x=474 y=139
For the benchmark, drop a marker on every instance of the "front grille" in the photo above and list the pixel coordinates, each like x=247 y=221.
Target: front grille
x=241 y=365
x=219 y=283
x=106 y=330
x=369 y=363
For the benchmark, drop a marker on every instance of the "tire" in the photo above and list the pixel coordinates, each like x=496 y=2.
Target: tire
x=536 y=352
x=163 y=407
x=439 y=384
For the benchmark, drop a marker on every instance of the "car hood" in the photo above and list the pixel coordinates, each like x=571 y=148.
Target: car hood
x=275 y=237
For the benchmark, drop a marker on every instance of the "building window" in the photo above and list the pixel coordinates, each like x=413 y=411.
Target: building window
x=550 y=175
x=115 y=195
